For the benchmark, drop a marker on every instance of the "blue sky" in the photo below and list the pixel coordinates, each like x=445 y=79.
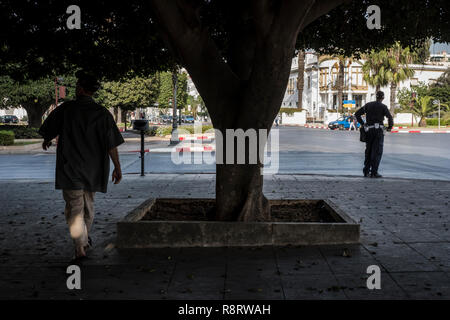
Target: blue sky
x=439 y=47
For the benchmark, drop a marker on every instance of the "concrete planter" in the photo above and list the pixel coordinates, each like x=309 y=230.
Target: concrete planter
x=137 y=230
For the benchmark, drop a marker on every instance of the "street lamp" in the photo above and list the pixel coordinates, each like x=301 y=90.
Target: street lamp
x=174 y=137
x=57 y=79
x=438 y=102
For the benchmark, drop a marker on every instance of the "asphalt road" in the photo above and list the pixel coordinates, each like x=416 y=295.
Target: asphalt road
x=301 y=150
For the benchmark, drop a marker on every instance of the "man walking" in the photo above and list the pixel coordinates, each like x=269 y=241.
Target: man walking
x=351 y=120
x=87 y=137
x=375 y=112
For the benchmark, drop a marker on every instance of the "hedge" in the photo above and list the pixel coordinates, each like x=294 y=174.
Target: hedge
x=290 y=110
x=434 y=122
x=22 y=132
x=167 y=130
x=6 y=138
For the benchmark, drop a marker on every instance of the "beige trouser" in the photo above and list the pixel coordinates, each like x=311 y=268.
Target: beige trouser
x=79 y=214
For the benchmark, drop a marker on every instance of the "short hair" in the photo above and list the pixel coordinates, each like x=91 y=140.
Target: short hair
x=87 y=81
x=380 y=95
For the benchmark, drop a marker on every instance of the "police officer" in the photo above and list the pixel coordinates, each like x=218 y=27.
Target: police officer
x=375 y=112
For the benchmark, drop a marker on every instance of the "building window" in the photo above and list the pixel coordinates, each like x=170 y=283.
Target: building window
x=358 y=77
x=309 y=82
x=291 y=86
x=323 y=77
x=334 y=74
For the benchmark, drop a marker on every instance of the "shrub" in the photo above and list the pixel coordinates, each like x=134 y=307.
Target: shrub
x=163 y=131
x=290 y=110
x=151 y=131
x=167 y=130
x=6 y=138
x=22 y=132
x=434 y=122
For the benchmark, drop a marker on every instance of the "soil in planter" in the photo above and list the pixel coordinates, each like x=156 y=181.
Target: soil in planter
x=204 y=210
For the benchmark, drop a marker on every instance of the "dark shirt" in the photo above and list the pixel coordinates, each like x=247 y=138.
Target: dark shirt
x=375 y=112
x=87 y=131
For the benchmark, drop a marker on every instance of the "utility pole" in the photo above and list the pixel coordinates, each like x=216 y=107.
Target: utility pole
x=438 y=102
x=174 y=138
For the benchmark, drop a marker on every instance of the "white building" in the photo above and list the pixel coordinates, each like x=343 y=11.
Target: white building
x=320 y=83
x=18 y=112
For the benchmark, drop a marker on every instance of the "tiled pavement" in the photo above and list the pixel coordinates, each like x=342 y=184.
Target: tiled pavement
x=404 y=223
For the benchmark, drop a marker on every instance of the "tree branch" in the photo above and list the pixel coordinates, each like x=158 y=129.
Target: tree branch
x=192 y=44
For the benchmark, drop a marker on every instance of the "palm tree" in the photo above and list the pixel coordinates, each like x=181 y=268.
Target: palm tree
x=374 y=69
x=398 y=68
x=301 y=77
x=388 y=66
x=340 y=83
x=343 y=60
x=423 y=107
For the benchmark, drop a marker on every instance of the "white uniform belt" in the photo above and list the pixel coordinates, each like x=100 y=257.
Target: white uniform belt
x=380 y=125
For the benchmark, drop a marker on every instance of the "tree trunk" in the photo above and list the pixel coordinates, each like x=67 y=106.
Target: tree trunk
x=301 y=77
x=124 y=118
x=392 y=97
x=239 y=195
x=423 y=122
x=248 y=84
x=341 y=85
x=35 y=112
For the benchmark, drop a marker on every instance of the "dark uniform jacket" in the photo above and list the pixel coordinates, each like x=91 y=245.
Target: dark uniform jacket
x=87 y=131
x=375 y=112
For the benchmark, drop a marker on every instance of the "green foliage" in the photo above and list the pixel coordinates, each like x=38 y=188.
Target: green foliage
x=423 y=107
x=122 y=35
x=6 y=138
x=167 y=130
x=422 y=52
x=151 y=131
x=35 y=96
x=406 y=99
x=166 y=90
x=440 y=93
x=33 y=92
x=190 y=129
x=443 y=80
x=22 y=132
x=388 y=66
x=163 y=131
x=130 y=92
x=344 y=31
x=434 y=122
x=290 y=110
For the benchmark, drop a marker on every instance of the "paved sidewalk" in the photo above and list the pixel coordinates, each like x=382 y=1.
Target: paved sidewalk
x=405 y=231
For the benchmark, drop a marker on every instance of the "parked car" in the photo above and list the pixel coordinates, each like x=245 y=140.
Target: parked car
x=166 y=119
x=9 y=119
x=342 y=123
x=189 y=119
